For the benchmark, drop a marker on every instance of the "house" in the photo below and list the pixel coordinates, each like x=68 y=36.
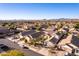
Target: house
x=29 y=32
x=71 y=43
x=65 y=29
x=51 y=30
x=44 y=26
x=32 y=34
x=75 y=40
x=71 y=29
x=37 y=34
x=56 y=39
x=21 y=29
x=26 y=34
x=7 y=32
x=74 y=44
x=58 y=36
x=22 y=26
x=4 y=32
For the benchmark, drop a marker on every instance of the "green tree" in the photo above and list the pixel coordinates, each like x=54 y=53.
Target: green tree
x=77 y=26
x=24 y=39
x=9 y=25
x=4 y=24
x=37 y=26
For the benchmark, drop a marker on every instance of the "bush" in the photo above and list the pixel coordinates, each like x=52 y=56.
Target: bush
x=13 y=53
x=77 y=26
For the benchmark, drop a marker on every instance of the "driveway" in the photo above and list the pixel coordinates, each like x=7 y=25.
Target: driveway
x=16 y=46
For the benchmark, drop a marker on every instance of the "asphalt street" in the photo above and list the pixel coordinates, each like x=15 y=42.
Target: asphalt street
x=16 y=46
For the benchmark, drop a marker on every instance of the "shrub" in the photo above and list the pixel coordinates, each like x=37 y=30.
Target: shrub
x=13 y=53
x=77 y=26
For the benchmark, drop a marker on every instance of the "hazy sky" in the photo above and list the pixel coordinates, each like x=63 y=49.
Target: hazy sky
x=38 y=11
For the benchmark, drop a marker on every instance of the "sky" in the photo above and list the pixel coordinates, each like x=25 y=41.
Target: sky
x=38 y=10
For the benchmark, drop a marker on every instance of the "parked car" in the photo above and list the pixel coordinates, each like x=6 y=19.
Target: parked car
x=24 y=46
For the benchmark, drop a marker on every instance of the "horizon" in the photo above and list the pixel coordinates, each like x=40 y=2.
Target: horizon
x=46 y=19
x=39 y=11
